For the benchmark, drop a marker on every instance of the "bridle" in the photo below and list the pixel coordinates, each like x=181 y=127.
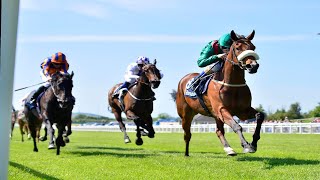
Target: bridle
x=241 y=63
x=56 y=95
x=147 y=83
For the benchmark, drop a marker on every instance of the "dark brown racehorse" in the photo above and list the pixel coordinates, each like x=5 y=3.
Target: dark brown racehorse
x=56 y=106
x=138 y=102
x=228 y=95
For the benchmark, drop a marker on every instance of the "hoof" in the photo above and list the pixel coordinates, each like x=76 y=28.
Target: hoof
x=151 y=135
x=43 y=138
x=127 y=141
x=139 y=142
x=29 y=136
x=51 y=146
x=66 y=139
x=230 y=151
x=248 y=150
x=35 y=150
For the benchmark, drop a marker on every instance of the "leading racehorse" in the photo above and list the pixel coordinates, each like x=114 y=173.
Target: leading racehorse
x=138 y=102
x=228 y=95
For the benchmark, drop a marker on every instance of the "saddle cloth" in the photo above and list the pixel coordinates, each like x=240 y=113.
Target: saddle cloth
x=201 y=89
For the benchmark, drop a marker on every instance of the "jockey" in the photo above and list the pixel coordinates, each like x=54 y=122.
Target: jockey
x=56 y=63
x=132 y=74
x=211 y=55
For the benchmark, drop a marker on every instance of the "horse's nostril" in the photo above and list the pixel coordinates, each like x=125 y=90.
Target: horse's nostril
x=248 y=66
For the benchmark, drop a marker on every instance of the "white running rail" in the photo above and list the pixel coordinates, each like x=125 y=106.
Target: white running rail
x=288 y=128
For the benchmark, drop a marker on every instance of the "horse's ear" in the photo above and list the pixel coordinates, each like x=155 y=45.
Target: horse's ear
x=234 y=36
x=155 y=61
x=71 y=74
x=250 y=37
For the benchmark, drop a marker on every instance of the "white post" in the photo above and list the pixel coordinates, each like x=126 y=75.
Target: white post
x=9 y=24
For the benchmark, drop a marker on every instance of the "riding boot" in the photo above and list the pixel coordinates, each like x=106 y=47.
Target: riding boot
x=121 y=88
x=196 y=80
x=33 y=100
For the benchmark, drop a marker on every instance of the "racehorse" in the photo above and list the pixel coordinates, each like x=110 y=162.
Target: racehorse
x=228 y=95
x=56 y=106
x=23 y=124
x=13 y=120
x=34 y=121
x=138 y=102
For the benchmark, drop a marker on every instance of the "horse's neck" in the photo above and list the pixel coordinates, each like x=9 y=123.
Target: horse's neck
x=142 y=90
x=232 y=74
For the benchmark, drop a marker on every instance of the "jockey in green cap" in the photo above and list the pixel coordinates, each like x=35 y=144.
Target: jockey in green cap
x=211 y=55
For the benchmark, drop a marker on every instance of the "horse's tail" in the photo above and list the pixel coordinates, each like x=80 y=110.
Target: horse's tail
x=174 y=94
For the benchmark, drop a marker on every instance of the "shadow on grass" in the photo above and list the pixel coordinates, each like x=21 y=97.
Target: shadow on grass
x=103 y=153
x=110 y=148
x=272 y=162
x=31 y=171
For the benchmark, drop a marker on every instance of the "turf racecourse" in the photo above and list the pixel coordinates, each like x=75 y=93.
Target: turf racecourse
x=102 y=155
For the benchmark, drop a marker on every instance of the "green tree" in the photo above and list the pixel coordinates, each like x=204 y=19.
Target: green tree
x=164 y=116
x=316 y=111
x=294 y=111
x=260 y=109
x=280 y=114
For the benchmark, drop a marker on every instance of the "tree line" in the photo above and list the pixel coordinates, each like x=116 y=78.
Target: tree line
x=294 y=112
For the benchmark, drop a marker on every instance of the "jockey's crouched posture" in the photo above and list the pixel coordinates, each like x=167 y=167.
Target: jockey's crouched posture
x=56 y=63
x=133 y=72
x=211 y=57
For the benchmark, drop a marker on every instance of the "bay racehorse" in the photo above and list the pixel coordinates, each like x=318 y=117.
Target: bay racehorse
x=23 y=124
x=56 y=106
x=228 y=95
x=138 y=102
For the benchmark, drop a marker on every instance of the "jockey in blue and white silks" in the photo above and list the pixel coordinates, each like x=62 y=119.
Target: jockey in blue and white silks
x=132 y=73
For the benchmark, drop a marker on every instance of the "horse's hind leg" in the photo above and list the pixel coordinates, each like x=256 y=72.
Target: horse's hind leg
x=59 y=140
x=44 y=138
x=220 y=133
x=117 y=115
x=34 y=137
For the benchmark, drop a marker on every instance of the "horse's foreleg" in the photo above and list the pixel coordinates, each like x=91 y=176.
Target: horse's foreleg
x=149 y=127
x=50 y=131
x=139 y=140
x=228 y=119
x=256 y=135
x=59 y=140
x=220 y=133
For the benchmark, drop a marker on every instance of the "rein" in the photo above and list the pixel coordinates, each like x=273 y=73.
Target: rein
x=234 y=64
x=145 y=83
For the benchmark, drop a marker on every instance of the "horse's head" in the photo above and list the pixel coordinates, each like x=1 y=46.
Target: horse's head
x=152 y=74
x=62 y=89
x=242 y=52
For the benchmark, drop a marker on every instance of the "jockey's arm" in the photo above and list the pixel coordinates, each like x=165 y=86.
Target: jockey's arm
x=207 y=56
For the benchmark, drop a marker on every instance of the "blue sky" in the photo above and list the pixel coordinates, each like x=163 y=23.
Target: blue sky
x=101 y=37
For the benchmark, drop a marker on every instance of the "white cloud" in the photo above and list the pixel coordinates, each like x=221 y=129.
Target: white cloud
x=145 y=38
x=89 y=9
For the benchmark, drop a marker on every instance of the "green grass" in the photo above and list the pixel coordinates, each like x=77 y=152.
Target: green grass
x=102 y=155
